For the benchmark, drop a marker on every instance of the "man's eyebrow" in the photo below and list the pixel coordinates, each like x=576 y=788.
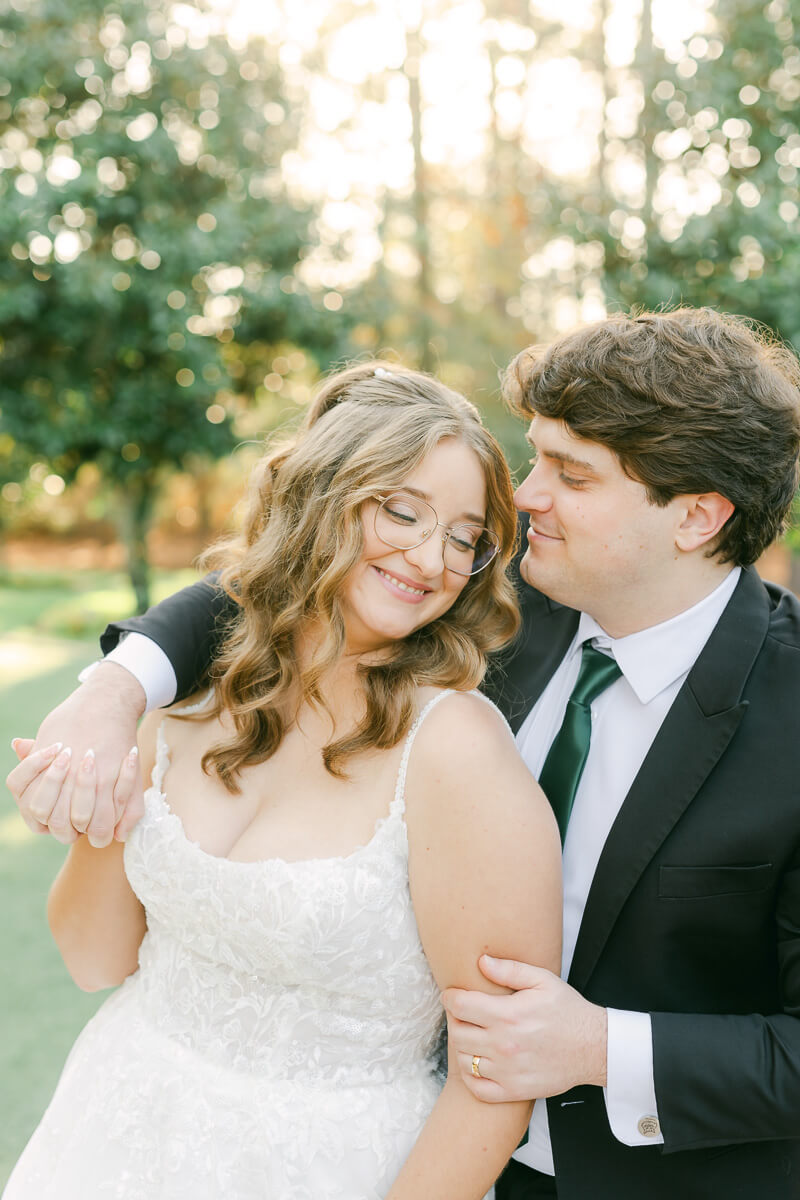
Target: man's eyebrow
x=473 y=517
x=561 y=456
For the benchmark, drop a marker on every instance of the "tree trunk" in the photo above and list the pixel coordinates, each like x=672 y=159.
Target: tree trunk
x=420 y=202
x=645 y=60
x=135 y=514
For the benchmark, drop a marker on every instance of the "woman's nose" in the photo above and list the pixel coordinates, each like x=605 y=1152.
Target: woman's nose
x=428 y=557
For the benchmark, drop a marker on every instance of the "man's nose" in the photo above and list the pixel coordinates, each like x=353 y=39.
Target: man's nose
x=532 y=494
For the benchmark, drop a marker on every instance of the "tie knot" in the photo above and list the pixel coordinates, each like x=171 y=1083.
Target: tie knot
x=598 y=671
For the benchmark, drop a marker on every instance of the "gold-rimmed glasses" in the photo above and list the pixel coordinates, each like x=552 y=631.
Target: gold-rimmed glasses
x=405 y=522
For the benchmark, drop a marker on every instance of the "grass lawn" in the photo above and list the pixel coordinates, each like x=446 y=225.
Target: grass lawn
x=48 y=631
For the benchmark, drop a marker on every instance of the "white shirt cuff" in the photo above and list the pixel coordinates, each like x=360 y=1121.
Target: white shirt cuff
x=148 y=663
x=630 y=1093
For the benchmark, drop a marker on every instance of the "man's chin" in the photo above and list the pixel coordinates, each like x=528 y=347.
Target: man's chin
x=530 y=568
x=526 y=568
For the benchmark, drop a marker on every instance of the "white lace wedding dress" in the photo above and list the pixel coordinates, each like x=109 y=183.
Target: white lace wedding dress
x=276 y=1043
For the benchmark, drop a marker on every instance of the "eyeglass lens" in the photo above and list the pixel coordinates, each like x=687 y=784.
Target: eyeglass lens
x=406 y=522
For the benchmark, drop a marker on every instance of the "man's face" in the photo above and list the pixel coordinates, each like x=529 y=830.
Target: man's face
x=596 y=543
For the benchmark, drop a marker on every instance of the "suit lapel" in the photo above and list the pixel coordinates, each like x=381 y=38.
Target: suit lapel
x=517 y=677
x=700 y=724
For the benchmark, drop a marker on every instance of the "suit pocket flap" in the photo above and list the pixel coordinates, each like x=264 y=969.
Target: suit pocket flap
x=693 y=883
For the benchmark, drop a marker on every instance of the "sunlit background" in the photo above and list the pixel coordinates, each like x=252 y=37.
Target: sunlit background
x=239 y=193
x=204 y=206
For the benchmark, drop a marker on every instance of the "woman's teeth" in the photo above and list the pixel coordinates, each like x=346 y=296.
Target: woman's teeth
x=404 y=587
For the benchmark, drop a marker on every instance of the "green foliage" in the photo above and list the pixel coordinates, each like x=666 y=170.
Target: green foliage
x=142 y=200
x=153 y=293
x=721 y=127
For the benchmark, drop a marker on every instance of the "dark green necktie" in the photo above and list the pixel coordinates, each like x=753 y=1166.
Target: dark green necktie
x=567 y=756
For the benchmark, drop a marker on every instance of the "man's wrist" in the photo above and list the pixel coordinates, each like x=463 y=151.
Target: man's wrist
x=597 y=1046
x=116 y=682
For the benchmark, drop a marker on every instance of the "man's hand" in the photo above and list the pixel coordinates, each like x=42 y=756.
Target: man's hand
x=541 y=1040
x=79 y=776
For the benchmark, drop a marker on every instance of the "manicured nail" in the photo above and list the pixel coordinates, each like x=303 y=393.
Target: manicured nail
x=88 y=762
x=14 y=744
x=64 y=757
x=133 y=754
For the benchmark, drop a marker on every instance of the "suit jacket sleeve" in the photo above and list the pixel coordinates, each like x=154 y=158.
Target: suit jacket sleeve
x=733 y=1078
x=188 y=627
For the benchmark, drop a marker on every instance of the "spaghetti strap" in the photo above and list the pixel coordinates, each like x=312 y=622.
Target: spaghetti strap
x=161 y=765
x=398 y=805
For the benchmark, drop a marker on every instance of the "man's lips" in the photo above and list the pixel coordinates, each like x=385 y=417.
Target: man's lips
x=540 y=533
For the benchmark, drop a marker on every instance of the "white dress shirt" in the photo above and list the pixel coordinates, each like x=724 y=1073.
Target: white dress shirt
x=148 y=663
x=625 y=720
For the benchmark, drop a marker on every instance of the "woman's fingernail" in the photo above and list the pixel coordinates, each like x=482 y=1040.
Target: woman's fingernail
x=64 y=757
x=133 y=754
x=88 y=761
x=14 y=744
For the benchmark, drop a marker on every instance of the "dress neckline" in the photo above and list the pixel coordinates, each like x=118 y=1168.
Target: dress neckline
x=393 y=817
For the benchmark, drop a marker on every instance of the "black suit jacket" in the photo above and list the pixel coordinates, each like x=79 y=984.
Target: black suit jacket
x=694 y=911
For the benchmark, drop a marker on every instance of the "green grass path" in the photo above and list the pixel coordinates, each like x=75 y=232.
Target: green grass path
x=42 y=1010
x=48 y=631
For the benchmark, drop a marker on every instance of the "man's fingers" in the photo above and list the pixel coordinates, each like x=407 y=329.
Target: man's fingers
x=132 y=815
x=463 y=1035
x=59 y=824
x=484 y=1089
x=128 y=797
x=84 y=793
x=33 y=825
x=511 y=974
x=474 y=1008
x=110 y=805
x=22 y=747
x=125 y=783
x=475 y=1065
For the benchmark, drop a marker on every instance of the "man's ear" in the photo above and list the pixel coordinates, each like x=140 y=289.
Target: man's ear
x=703 y=518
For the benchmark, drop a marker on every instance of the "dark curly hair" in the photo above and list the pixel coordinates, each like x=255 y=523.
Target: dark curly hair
x=689 y=401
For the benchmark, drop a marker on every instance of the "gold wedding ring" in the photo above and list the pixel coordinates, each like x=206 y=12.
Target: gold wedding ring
x=476 y=1066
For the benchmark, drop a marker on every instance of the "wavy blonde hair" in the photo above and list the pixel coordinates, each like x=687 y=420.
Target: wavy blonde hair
x=303 y=535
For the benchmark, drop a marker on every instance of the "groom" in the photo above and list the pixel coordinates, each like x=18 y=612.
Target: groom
x=666 y=678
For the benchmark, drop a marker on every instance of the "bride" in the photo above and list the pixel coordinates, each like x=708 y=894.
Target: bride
x=334 y=834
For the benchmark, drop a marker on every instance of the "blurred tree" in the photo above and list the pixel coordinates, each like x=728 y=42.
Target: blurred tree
x=149 y=242
x=726 y=214
x=714 y=217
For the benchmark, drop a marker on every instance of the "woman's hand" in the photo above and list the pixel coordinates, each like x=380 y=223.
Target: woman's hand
x=79 y=775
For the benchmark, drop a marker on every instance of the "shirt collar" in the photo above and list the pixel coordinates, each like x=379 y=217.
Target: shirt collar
x=654 y=658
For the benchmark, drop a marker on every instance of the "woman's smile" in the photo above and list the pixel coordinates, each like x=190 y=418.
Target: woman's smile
x=403 y=587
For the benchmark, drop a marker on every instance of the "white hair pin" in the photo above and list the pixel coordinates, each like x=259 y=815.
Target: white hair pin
x=382 y=373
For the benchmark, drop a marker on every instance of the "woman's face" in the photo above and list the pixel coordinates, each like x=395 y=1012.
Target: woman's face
x=391 y=592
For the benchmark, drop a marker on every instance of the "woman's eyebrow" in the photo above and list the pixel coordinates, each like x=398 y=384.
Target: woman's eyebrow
x=472 y=517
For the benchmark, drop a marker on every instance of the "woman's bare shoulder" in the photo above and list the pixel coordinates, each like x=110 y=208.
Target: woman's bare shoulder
x=465 y=759
x=476 y=723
